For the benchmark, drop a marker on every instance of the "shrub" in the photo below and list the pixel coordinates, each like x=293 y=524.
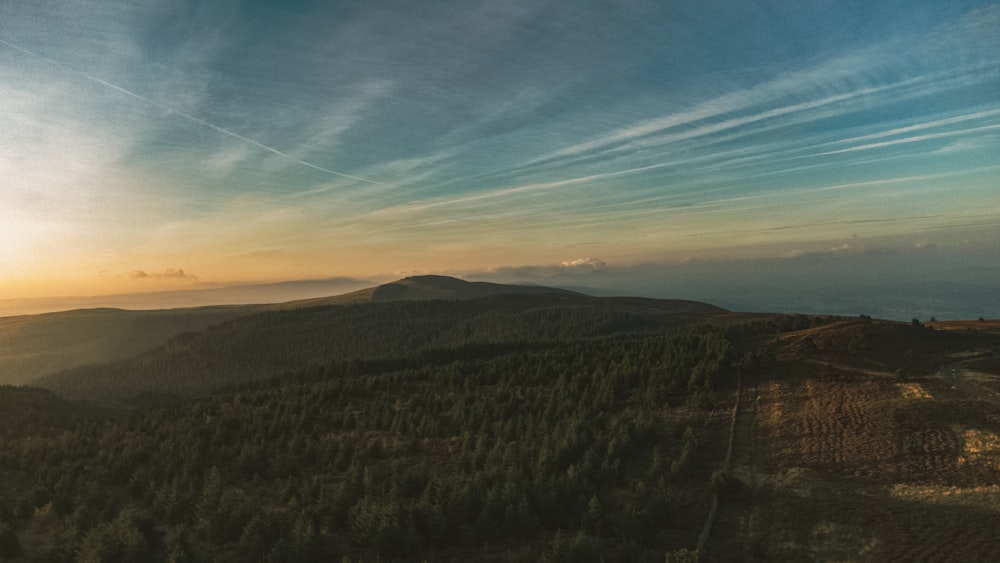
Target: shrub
x=582 y=548
x=725 y=485
x=10 y=546
x=682 y=556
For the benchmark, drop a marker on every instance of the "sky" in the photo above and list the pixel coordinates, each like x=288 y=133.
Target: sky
x=761 y=148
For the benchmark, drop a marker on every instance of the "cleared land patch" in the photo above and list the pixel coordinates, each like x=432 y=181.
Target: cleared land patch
x=847 y=459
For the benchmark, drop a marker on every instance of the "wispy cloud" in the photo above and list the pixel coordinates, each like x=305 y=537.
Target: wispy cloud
x=835 y=80
x=192 y=118
x=916 y=139
x=975 y=116
x=264 y=141
x=168 y=274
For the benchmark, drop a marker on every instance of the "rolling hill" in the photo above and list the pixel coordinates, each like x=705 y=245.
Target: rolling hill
x=444 y=420
x=426 y=288
x=398 y=321
x=32 y=346
x=204 y=295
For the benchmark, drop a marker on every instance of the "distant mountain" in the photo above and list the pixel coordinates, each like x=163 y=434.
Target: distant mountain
x=79 y=332
x=32 y=346
x=427 y=288
x=240 y=294
x=399 y=321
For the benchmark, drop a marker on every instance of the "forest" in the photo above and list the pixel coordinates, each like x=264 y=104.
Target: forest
x=437 y=431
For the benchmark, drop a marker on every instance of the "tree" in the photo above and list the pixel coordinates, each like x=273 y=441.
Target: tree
x=581 y=548
x=592 y=517
x=682 y=556
x=259 y=536
x=125 y=539
x=725 y=484
x=10 y=546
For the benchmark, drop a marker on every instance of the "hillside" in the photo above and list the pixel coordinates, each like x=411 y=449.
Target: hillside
x=391 y=327
x=426 y=288
x=869 y=441
x=32 y=346
x=553 y=449
x=205 y=296
x=537 y=426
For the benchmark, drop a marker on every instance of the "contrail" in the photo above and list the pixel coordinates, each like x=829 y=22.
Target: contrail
x=194 y=119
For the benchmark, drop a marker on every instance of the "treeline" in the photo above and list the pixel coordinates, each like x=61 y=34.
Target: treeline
x=265 y=344
x=567 y=451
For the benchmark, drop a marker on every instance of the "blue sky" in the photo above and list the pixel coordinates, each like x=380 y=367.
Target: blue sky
x=218 y=142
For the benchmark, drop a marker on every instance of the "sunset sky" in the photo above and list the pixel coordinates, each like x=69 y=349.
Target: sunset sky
x=156 y=145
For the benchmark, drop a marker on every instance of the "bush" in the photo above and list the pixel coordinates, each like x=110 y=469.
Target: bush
x=10 y=546
x=582 y=548
x=682 y=556
x=725 y=485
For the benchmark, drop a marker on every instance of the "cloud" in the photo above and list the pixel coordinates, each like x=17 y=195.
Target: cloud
x=915 y=139
x=840 y=252
x=732 y=143
x=178 y=273
x=585 y=264
x=540 y=272
x=177 y=111
x=971 y=144
x=169 y=273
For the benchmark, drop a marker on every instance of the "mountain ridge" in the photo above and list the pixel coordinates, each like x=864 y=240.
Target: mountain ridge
x=426 y=288
x=399 y=320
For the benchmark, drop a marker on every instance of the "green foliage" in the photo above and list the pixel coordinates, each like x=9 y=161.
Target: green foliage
x=406 y=457
x=128 y=538
x=580 y=548
x=408 y=333
x=682 y=556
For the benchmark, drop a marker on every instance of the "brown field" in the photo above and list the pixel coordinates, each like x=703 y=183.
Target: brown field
x=847 y=459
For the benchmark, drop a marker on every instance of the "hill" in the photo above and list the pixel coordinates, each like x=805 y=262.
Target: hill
x=538 y=426
x=426 y=288
x=389 y=327
x=32 y=346
x=205 y=295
